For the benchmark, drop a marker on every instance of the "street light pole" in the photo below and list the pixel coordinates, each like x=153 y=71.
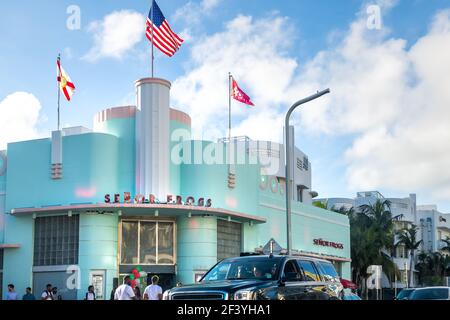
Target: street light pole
x=288 y=164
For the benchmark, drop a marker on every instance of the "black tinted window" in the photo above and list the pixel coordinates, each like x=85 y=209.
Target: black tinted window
x=430 y=294
x=404 y=294
x=309 y=270
x=291 y=271
x=232 y=269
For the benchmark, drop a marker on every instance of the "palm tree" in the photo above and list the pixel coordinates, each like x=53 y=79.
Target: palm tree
x=371 y=236
x=447 y=245
x=378 y=217
x=343 y=210
x=408 y=238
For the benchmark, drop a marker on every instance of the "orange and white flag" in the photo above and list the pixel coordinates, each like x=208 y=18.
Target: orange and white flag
x=65 y=83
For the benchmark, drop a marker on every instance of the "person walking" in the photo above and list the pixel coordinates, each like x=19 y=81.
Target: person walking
x=125 y=291
x=28 y=295
x=11 y=294
x=137 y=293
x=90 y=294
x=47 y=294
x=153 y=291
x=55 y=294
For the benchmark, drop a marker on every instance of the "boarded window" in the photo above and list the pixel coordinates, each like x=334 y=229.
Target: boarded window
x=147 y=242
x=228 y=239
x=56 y=240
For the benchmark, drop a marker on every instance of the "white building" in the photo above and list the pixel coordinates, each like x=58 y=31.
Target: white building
x=433 y=226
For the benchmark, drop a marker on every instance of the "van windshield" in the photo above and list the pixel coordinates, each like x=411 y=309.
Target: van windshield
x=240 y=269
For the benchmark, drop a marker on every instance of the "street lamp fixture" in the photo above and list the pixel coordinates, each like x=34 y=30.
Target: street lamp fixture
x=288 y=164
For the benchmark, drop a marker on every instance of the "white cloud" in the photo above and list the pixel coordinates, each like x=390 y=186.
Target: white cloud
x=19 y=116
x=209 y=4
x=192 y=15
x=392 y=98
x=412 y=151
x=115 y=35
x=256 y=61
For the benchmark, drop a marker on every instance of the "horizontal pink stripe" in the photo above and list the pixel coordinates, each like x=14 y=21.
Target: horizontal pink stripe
x=180 y=116
x=116 y=113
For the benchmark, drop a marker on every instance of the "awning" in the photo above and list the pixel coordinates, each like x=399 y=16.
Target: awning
x=348 y=284
x=321 y=256
x=144 y=209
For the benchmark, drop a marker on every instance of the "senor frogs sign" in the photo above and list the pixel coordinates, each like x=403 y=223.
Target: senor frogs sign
x=177 y=200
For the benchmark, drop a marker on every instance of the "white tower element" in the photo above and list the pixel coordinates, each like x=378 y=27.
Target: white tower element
x=152 y=137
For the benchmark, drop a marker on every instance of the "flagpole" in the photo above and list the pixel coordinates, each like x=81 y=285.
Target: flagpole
x=59 y=88
x=153 y=57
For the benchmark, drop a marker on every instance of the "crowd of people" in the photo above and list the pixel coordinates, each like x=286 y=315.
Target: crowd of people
x=122 y=292
x=50 y=293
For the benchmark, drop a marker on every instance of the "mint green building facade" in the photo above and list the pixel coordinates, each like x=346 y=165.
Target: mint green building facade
x=73 y=211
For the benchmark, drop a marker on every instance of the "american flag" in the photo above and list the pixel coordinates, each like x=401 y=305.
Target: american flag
x=163 y=37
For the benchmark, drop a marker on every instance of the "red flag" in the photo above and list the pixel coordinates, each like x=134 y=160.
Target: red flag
x=65 y=84
x=240 y=95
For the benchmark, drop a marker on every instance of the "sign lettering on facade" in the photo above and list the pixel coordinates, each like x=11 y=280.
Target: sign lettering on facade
x=139 y=198
x=325 y=243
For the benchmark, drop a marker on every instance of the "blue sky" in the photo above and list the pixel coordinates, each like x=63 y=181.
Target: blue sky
x=313 y=43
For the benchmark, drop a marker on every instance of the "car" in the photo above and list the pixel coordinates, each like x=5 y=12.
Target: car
x=264 y=277
x=404 y=294
x=431 y=293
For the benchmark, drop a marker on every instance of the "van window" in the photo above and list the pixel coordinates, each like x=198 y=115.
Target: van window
x=309 y=270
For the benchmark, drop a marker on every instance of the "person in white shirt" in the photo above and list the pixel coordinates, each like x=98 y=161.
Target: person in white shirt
x=48 y=293
x=153 y=291
x=125 y=291
x=90 y=295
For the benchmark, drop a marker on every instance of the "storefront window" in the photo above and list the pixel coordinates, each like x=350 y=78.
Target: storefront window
x=165 y=243
x=129 y=243
x=147 y=242
x=56 y=240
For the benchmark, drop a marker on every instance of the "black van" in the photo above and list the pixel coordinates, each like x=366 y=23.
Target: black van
x=264 y=278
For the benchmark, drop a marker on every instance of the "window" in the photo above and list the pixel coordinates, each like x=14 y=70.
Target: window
x=328 y=271
x=299 y=194
x=147 y=242
x=401 y=252
x=291 y=271
x=305 y=163
x=129 y=254
x=309 y=270
x=56 y=240
x=299 y=164
x=245 y=268
x=165 y=243
x=228 y=239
